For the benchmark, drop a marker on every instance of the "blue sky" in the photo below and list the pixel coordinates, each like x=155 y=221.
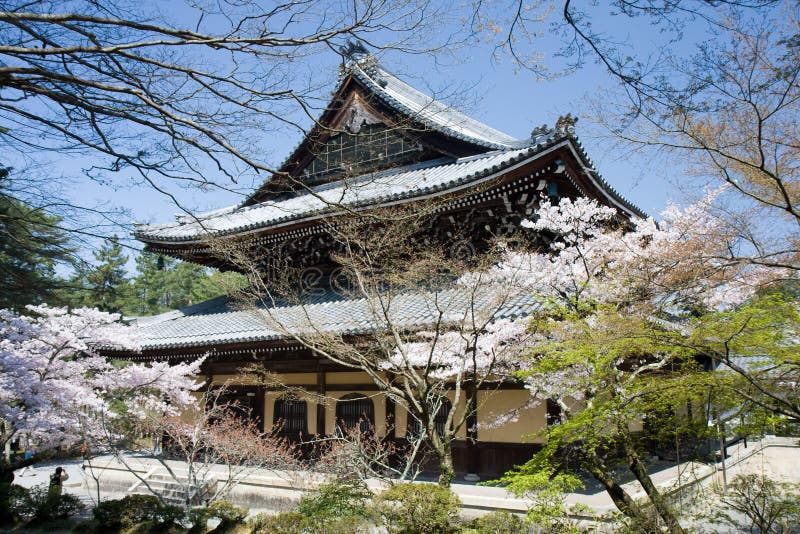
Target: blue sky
x=489 y=87
x=495 y=93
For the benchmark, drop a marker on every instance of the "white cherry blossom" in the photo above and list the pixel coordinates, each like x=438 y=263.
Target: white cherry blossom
x=56 y=388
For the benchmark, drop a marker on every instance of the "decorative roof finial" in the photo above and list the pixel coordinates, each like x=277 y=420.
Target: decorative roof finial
x=356 y=55
x=565 y=124
x=353 y=49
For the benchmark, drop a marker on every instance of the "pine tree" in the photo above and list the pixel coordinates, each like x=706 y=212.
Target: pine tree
x=150 y=287
x=31 y=245
x=107 y=286
x=162 y=284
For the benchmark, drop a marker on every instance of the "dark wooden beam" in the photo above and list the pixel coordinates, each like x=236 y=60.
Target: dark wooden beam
x=321 y=389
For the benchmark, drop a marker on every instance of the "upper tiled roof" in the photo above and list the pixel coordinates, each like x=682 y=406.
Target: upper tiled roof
x=218 y=322
x=433 y=114
x=368 y=189
x=373 y=189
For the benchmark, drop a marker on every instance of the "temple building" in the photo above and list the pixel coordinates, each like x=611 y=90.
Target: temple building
x=378 y=143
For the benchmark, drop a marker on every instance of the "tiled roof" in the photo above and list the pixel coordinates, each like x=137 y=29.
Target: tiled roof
x=368 y=189
x=400 y=96
x=218 y=322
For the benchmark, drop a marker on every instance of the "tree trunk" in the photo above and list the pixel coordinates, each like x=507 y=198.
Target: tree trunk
x=659 y=502
x=622 y=500
x=446 y=469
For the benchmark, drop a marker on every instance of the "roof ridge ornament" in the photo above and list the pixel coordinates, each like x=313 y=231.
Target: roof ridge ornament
x=539 y=132
x=355 y=55
x=353 y=49
x=565 y=125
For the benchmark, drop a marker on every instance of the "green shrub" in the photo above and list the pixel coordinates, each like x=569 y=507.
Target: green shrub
x=227 y=512
x=38 y=505
x=285 y=523
x=134 y=509
x=418 y=509
x=7 y=492
x=337 y=499
x=14 y=494
x=497 y=522
x=197 y=518
x=768 y=506
x=352 y=524
x=109 y=513
x=297 y=523
x=153 y=527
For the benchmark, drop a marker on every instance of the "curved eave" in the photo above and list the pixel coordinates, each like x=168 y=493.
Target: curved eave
x=610 y=195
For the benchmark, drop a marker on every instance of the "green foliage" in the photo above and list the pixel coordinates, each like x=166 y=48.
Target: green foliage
x=9 y=495
x=630 y=369
x=546 y=487
x=767 y=506
x=297 y=523
x=162 y=283
x=38 y=504
x=104 y=285
x=32 y=244
x=340 y=498
x=197 y=518
x=496 y=522
x=418 y=508
x=153 y=527
x=351 y=524
x=135 y=509
x=285 y=523
x=159 y=284
x=228 y=513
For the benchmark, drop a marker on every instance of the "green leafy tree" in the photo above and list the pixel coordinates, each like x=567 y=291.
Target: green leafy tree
x=189 y=283
x=633 y=318
x=31 y=246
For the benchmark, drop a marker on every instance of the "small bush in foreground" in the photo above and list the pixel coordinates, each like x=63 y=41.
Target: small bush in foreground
x=496 y=522
x=197 y=518
x=228 y=513
x=296 y=523
x=135 y=509
x=285 y=523
x=418 y=509
x=337 y=499
x=38 y=505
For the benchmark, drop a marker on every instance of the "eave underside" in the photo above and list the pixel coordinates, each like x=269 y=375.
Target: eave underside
x=559 y=166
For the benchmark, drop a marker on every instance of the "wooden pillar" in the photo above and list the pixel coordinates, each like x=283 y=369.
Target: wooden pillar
x=321 y=405
x=259 y=410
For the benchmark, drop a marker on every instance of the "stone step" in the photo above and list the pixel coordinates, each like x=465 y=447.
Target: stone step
x=170 y=487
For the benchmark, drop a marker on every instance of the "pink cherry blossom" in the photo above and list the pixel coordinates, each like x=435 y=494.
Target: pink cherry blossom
x=55 y=386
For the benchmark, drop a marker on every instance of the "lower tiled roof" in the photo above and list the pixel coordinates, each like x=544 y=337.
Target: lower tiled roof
x=222 y=321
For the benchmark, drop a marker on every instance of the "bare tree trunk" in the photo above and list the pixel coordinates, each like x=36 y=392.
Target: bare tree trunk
x=659 y=502
x=622 y=500
x=446 y=470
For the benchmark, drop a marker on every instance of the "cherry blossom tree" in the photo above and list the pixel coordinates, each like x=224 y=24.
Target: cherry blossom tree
x=57 y=390
x=427 y=339
x=630 y=309
x=219 y=444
